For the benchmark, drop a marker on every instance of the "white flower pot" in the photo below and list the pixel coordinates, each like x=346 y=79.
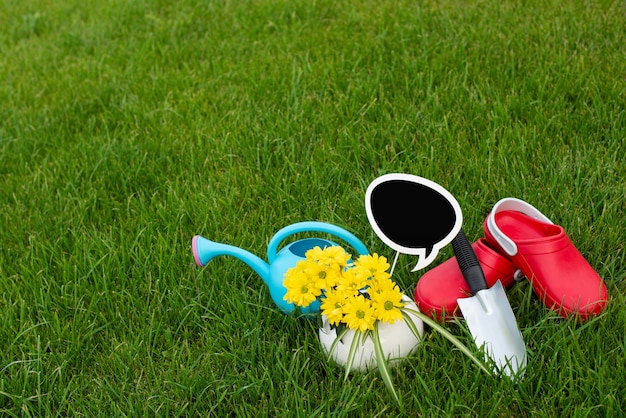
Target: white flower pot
x=397 y=341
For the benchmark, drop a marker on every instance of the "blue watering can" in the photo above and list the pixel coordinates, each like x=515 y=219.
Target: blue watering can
x=273 y=271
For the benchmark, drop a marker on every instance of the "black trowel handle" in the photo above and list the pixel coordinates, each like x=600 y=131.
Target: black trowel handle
x=468 y=263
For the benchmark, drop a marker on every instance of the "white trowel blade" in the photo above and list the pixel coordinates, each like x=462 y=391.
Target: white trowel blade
x=492 y=323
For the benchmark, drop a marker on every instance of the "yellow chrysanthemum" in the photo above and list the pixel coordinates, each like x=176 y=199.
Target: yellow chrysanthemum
x=332 y=306
x=351 y=282
x=336 y=256
x=300 y=290
x=380 y=285
x=374 y=265
x=359 y=314
x=386 y=305
x=333 y=256
x=322 y=275
x=315 y=254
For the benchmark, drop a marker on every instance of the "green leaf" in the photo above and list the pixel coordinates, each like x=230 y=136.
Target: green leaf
x=356 y=342
x=437 y=327
x=383 y=364
x=408 y=320
x=337 y=340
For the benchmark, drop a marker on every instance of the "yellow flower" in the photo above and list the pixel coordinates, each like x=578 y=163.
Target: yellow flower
x=333 y=256
x=336 y=256
x=332 y=306
x=300 y=290
x=322 y=275
x=386 y=304
x=351 y=282
x=315 y=254
x=380 y=285
x=374 y=266
x=359 y=314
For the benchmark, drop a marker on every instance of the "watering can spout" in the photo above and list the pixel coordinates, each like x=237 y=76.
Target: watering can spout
x=205 y=250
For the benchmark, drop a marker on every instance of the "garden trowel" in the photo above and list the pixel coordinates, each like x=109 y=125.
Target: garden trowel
x=488 y=314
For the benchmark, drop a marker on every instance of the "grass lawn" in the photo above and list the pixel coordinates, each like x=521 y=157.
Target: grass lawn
x=128 y=127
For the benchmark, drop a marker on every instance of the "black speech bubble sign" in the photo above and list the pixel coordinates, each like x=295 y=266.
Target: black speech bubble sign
x=413 y=215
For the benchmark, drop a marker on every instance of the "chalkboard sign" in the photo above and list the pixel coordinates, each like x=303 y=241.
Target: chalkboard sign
x=413 y=215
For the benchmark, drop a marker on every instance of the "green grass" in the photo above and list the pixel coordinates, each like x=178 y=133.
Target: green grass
x=127 y=127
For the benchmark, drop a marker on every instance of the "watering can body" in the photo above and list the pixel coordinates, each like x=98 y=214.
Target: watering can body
x=273 y=271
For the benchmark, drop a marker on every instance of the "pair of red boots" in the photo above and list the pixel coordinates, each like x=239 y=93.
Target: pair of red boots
x=519 y=241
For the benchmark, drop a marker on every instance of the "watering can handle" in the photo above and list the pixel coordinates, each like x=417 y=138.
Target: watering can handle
x=312 y=226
